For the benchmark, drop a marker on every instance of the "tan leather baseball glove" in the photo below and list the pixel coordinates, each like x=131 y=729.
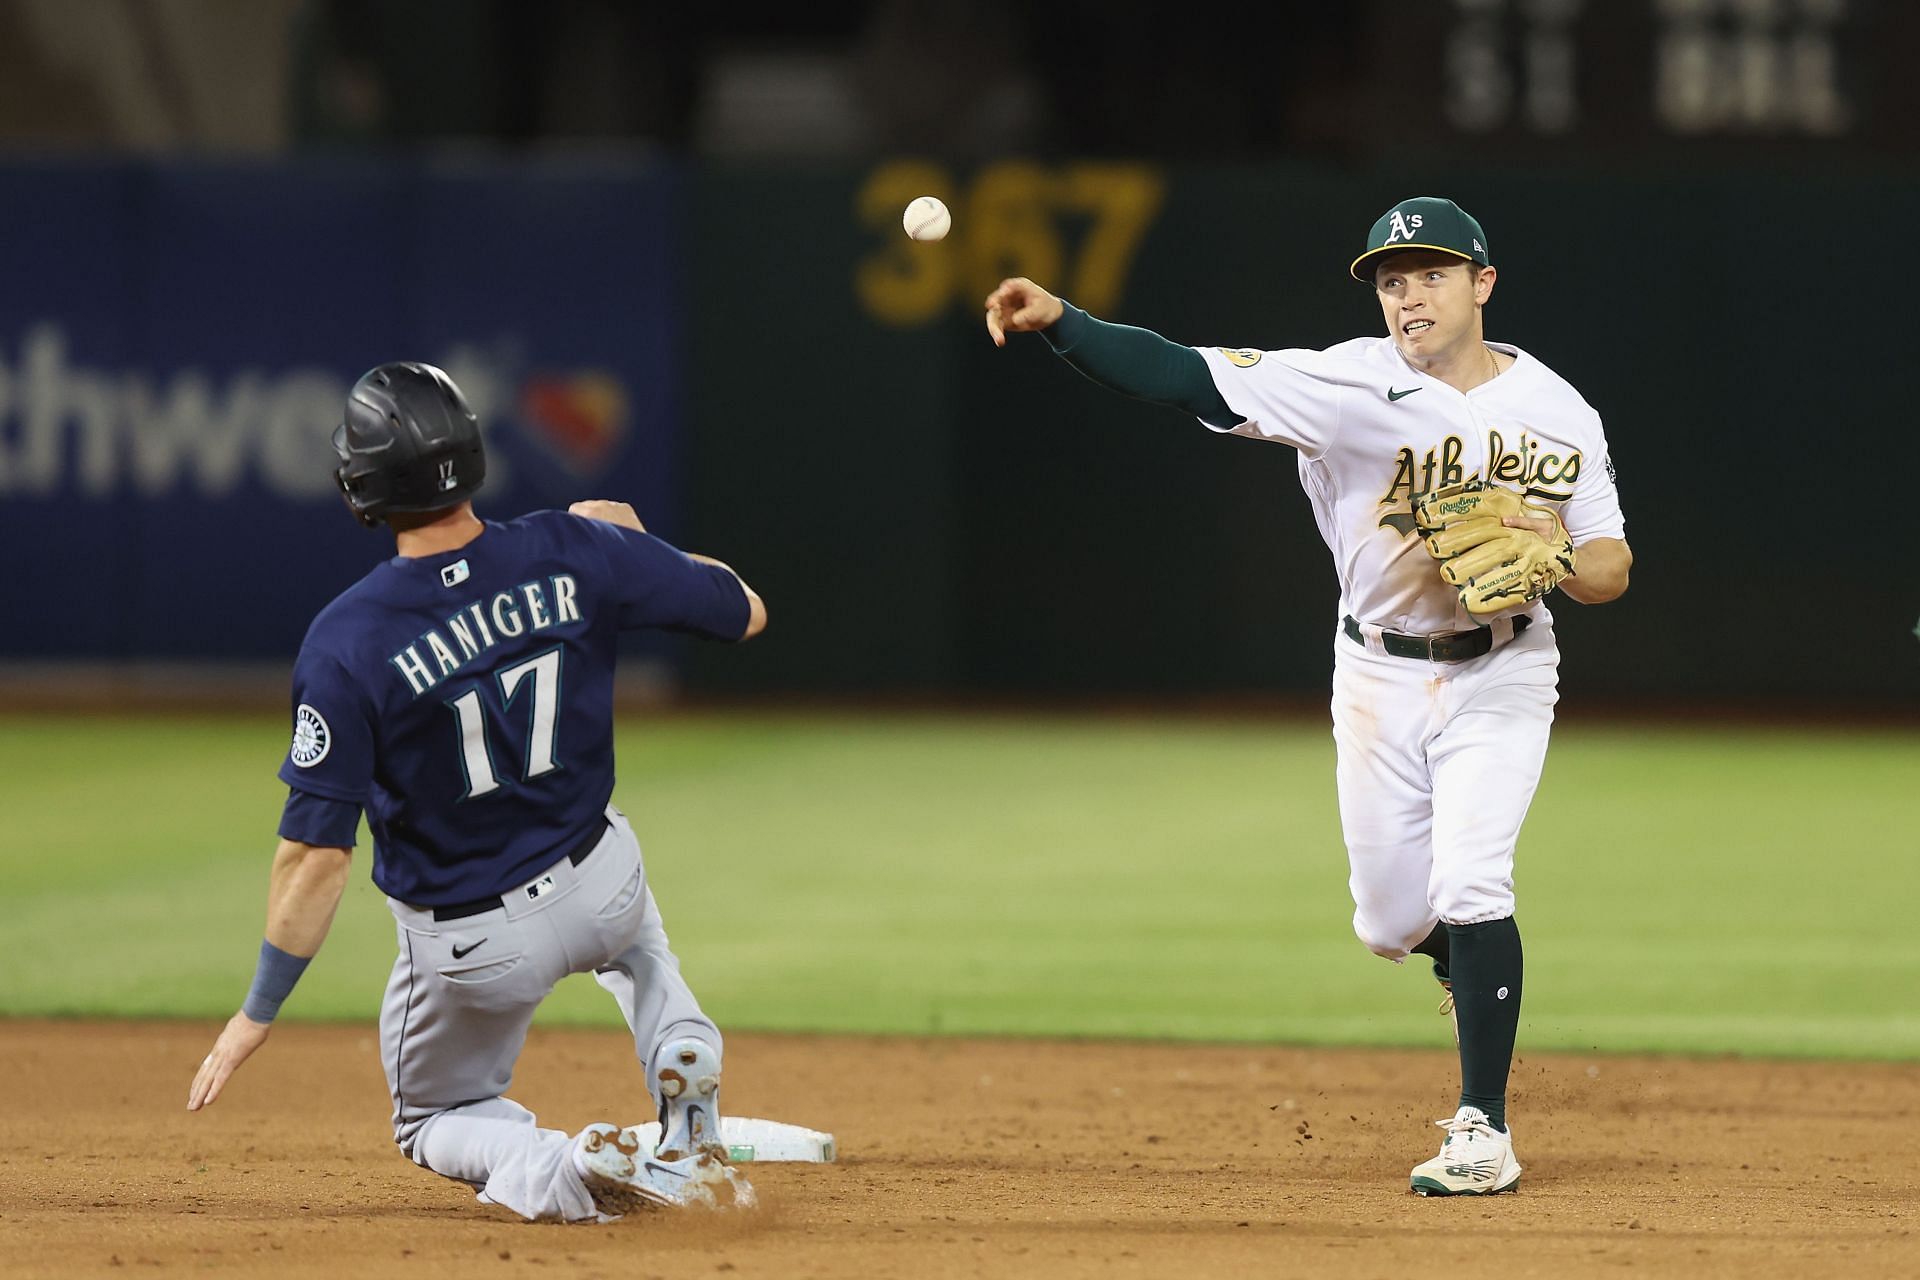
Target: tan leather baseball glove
x=1494 y=567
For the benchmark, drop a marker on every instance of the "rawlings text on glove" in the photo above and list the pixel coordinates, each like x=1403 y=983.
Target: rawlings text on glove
x=1494 y=567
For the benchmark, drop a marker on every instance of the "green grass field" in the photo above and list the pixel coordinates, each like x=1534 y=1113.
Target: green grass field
x=1682 y=889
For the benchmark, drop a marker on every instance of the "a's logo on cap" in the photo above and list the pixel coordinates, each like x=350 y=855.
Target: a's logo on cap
x=455 y=574
x=1401 y=226
x=311 y=737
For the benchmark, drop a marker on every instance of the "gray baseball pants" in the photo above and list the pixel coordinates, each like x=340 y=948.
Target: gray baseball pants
x=452 y=1026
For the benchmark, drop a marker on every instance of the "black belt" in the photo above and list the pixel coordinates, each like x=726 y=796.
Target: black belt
x=1454 y=646
x=576 y=855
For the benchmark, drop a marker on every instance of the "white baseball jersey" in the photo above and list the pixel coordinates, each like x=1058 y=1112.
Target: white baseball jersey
x=1374 y=434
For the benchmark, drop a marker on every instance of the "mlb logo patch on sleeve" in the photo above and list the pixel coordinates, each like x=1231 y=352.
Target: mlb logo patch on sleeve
x=455 y=574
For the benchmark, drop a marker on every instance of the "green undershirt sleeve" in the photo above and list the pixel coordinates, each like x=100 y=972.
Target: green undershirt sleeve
x=1139 y=363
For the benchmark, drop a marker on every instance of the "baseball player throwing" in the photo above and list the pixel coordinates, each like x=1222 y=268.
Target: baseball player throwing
x=1456 y=482
x=461 y=695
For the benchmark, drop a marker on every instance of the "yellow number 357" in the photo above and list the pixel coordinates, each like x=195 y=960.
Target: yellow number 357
x=1074 y=228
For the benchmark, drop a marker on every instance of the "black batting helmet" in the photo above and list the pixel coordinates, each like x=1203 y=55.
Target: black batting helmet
x=409 y=443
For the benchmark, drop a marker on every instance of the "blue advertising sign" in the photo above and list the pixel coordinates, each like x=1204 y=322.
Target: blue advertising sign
x=177 y=341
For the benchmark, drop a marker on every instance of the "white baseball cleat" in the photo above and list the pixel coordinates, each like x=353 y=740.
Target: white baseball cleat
x=689 y=1075
x=621 y=1179
x=1475 y=1159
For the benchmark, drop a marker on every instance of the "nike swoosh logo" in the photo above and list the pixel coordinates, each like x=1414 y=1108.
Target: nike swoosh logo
x=1402 y=395
x=461 y=953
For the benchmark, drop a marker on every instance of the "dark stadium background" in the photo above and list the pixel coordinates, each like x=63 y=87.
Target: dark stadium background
x=659 y=245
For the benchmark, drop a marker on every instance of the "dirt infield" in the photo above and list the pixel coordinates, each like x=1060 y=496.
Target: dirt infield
x=964 y=1158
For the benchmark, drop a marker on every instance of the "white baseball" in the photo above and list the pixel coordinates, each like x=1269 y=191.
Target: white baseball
x=927 y=219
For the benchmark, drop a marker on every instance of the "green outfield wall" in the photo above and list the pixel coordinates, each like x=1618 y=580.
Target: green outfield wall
x=925 y=512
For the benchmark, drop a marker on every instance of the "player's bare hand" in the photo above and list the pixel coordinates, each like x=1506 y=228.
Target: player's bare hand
x=241 y=1036
x=1020 y=306
x=610 y=513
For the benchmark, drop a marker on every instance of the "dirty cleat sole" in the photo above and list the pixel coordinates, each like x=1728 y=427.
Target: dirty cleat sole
x=621 y=1179
x=689 y=1075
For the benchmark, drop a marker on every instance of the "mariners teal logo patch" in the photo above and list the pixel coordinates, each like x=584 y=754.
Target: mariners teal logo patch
x=311 y=737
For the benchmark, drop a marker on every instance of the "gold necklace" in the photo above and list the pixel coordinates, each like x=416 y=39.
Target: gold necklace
x=1494 y=360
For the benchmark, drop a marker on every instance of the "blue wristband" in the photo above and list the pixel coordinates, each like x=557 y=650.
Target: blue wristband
x=273 y=981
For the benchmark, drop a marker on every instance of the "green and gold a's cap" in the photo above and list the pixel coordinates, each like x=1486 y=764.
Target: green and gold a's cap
x=1424 y=222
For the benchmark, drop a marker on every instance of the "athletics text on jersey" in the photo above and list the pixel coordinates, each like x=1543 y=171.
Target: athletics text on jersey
x=1370 y=447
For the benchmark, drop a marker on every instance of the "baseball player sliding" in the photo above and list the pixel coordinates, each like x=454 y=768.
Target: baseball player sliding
x=1456 y=482
x=461 y=695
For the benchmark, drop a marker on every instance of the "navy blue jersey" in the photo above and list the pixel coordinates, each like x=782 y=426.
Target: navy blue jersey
x=465 y=699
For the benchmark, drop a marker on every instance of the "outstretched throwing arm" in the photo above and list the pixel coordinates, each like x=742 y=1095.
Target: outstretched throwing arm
x=1134 y=362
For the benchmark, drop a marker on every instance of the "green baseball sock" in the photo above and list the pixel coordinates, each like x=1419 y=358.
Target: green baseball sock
x=1486 y=968
x=1435 y=948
